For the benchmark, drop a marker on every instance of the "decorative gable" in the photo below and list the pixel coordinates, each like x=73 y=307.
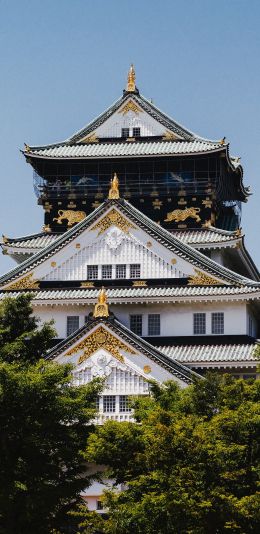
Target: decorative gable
x=130 y=115
x=103 y=351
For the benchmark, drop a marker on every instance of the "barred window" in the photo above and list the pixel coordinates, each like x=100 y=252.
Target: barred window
x=72 y=324
x=136 y=132
x=199 y=323
x=92 y=272
x=109 y=403
x=106 y=271
x=120 y=271
x=136 y=324
x=100 y=505
x=124 y=404
x=154 y=324
x=135 y=270
x=217 y=323
x=125 y=132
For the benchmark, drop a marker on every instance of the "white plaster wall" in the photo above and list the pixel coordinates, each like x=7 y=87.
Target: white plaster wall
x=176 y=319
x=113 y=126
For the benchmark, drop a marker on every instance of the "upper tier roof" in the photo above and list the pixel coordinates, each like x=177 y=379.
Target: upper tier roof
x=159 y=134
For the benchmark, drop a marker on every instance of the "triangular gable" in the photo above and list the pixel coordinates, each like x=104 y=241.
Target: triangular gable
x=180 y=259
x=131 y=110
x=103 y=347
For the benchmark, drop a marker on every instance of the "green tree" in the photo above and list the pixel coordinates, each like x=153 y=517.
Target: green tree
x=191 y=466
x=44 y=423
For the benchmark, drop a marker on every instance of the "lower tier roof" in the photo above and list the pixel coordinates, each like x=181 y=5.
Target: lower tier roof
x=139 y=294
x=212 y=354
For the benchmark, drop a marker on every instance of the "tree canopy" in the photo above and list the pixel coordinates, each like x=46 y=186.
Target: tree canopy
x=191 y=466
x=44 y=423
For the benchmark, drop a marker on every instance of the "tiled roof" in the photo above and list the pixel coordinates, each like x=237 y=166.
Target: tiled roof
x=200 y=237
x=160 y=234
x=119 y=149
x=196 y=237
x=35 y=241
x=187 y=354
x=128 y=294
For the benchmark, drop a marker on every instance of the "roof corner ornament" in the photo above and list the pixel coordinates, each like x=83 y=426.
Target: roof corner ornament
x=114 y=188
x=5 y=238
x=101 y=308
x=222 y=141
x=27 y=148
x=130 y=87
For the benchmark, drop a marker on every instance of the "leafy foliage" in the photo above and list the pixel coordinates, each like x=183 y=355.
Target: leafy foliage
x=43 y=422
x=191 y=466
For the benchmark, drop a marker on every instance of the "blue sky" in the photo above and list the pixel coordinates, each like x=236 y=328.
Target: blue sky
x=64 y=61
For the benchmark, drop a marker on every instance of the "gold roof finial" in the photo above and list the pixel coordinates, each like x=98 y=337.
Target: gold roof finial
x=114 y=188
x=101 y=308
x=131 y=80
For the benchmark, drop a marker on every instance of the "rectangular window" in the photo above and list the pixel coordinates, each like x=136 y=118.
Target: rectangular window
x=109 y=403
x=72 y=324
x=106 y=271
x=120 y=271
x=136 y=132
x=125 y=132
x=199 y=323
x=135 y=270
x=154 y=324
x=124 y=404
x=92 y=271
x=100 y=505
x=136 y=324
x=217 y=323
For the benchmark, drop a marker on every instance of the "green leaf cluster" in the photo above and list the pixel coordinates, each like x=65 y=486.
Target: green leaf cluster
x=189 y=465
x=44 y=423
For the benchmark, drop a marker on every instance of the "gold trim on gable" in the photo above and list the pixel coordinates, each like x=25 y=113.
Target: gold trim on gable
x=202 y=279
x=27 y=282
x=113 y=217
x=100 y=338
x=130 y=106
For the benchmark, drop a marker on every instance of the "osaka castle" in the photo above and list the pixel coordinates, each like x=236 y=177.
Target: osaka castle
x=141 y=261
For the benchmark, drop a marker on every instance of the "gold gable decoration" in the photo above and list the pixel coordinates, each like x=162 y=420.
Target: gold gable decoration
x=114 y=188
x=115 y=218
x=101 y=308
x=92 y=138
x=130 y=106
x=202 y=279
x=27 y=282
x=169 y=136
x=100 y=338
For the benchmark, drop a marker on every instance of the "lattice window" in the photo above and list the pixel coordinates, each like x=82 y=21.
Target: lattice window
x=92 y=271
x=217 y=323
x=199 y=323
x=72 y=324
x=135 y=270
x=109 y=403
x=125 y=132
x=136 y=132
x=106 y=271
x=124 y=403
x=136 y=323
x=154 y=324
x=120 y=271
